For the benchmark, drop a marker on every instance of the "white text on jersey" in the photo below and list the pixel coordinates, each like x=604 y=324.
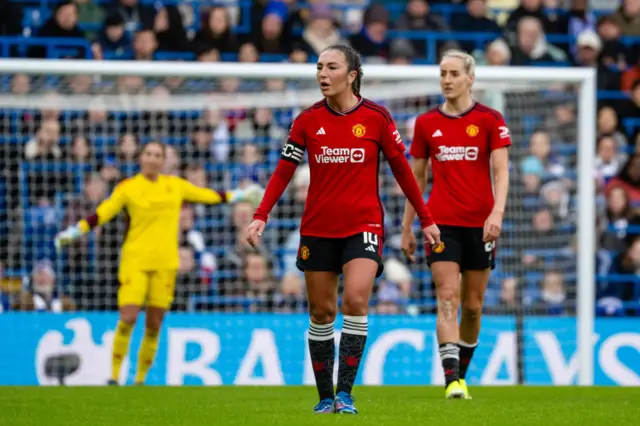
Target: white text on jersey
x=396 y=134
x=340 y=155
x=457 y=153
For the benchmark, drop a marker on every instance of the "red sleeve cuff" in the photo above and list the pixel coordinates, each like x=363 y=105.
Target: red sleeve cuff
x=92 y=220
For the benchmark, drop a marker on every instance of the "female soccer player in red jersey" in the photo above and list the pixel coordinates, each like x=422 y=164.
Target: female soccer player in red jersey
x=342 y=223
x=464 y=141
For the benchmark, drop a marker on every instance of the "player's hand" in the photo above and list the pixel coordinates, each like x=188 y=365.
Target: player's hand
x=432 y=235
x=254 y=233
x=67 y=236
x=408 y=245
x=492 y=227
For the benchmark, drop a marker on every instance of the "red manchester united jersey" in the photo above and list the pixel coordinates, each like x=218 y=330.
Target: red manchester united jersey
x=343 y=150
x=460 y=148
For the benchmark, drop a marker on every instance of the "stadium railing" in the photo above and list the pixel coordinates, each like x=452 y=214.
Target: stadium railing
x=55 y=47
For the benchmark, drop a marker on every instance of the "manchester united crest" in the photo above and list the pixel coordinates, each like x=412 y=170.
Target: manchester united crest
x=304 y=252
x=359 y=130
x=473 y=130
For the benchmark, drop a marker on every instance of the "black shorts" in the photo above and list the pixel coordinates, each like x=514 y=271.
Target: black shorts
x=331 y=254
x=465 y=247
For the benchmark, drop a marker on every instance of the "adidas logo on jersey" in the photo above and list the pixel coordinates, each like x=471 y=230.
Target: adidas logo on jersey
x=370 y=248
x=321 y=131
x=436 y=134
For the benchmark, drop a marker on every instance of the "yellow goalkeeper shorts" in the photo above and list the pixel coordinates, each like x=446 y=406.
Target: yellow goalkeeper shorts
x=153 y=288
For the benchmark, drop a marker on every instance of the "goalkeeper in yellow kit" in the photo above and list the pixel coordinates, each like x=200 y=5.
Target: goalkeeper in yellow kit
x=149 y=256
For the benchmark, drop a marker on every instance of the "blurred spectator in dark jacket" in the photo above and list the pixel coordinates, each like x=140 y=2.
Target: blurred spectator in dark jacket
x=114 y=41
x=269 y=36
x=261 y=128
x=608 y=160
x=629 y=179
x=608 y=124
x=614 y=53
x=63 y=24
x=372 y=40
x=498 y=53
x=418 y=17
x=215 y=32
x=127 y=149
x=40 y=293
x=619 y=215
x=531 y=45
x=631 y=108
x=553 y=292
x=80 y=151
x=402 y=52
x=580 y=20
x=535 y=9
x=258 y=282
x=588 y=49
x=89 y=12
x=46 y=143
x=625 y=263
x=627 y=17
x=135 y=14
x=321 y=31
x=474 y=20
x=169 y=29
x=145 y=45
x=199 y=151
x=110 y=172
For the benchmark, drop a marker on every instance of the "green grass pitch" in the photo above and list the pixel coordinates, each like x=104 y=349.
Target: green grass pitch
x=261 y=406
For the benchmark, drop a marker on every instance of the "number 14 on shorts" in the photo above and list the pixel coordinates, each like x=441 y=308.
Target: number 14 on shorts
x=371 y=241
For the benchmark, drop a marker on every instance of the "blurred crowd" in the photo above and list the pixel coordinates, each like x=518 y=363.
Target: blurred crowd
x=58 y=162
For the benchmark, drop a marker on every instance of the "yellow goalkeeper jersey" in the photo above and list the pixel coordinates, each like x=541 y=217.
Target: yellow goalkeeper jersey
x=153 y=207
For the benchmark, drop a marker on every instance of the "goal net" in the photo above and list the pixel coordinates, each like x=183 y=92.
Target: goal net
x=70 y=133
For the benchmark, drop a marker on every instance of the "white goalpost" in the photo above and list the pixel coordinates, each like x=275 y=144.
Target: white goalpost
x=532 y=100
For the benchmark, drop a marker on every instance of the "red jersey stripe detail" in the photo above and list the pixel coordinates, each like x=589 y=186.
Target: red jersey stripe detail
x=380 y=109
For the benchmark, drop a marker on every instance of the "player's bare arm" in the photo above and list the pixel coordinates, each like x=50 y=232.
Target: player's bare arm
x=500 y=169
x=408 y=242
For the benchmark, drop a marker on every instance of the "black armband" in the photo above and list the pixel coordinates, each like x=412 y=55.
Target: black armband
x=292 y=152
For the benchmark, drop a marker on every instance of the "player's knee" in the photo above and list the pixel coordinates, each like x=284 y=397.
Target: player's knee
x=322 y=314
x=448 y=302
x=129 y=316
x=356 y=305
x=471 y=311
x=449 y=293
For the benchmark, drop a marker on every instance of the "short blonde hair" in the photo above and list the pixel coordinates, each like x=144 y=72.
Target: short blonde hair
x=468 y=62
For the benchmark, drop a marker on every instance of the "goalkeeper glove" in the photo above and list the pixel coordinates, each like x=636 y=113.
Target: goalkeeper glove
x=252 y=194
x=67 y=236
